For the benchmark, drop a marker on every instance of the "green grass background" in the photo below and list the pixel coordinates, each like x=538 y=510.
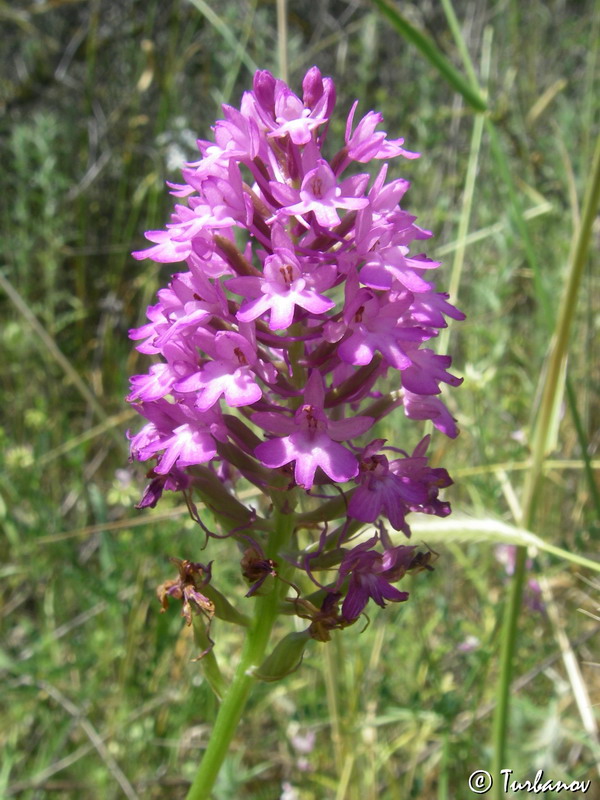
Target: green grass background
x=101 y=101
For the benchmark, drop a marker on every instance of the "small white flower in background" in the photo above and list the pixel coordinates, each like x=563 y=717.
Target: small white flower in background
x=289 y=792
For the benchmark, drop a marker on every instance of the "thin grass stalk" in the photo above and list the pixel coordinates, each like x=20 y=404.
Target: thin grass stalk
x=236 y=62
x=588 y=464
x=282 y=39
x=444 y=780
x=461 y=45
x=551 y=394
x=507 y=649
x=330 y=671
x=518 y=466
x=490 y=230
x=580 y=693
x=469 y=192
x=226 y=32
x=511 y=615
x=560 y=340
x=493 y=531
x=346 y=774
x=519 y=220
x=517 y=216
x=558 y=352
x=588 y=115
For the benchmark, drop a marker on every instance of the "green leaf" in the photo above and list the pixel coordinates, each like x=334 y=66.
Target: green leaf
x=490 y=531
x=432 y=54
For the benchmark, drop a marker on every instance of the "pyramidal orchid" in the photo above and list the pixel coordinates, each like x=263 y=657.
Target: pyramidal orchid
x=301 y=314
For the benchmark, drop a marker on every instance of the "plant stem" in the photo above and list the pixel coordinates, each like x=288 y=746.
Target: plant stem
x=253 y=654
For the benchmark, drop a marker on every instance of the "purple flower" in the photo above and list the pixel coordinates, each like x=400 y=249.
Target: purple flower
x=229 y=374
x=313 y=439
x=283 y=287
x=371 y=324
x=174 y=481
x=321 y=194
x=371 y=575
x=395 y=488
x=301 y=285
x=365 y=144
x=184 y=436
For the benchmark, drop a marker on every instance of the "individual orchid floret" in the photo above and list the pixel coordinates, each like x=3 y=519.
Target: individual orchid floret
x=371 y=575
x=293 y=118
x=318 y=93
x=313 y=439
x=381 y=491
x=174 y=481
x=230 y=375
x=365 y=144
x=426 y=371
x=371 y=324
x=392 y=489
x=392 y=264
x=281 y=112
x=184 y=436
x=284 y=287
x=422 y=407
x=256 y=567
x=192 y=577
x=321 y=195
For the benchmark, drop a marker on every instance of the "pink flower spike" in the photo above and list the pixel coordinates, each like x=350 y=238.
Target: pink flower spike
x=301 y=313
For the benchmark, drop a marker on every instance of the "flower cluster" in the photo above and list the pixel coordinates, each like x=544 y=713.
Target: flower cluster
x=299 y=304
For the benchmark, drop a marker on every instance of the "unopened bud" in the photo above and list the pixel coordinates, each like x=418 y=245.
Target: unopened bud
x=264 y=89
x=312 y=87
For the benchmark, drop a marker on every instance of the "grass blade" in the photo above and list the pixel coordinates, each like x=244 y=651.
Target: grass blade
x=432 y=54
x=491 y=531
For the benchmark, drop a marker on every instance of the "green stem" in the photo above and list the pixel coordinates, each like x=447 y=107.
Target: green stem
x=253 y=654
x=507 y=649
